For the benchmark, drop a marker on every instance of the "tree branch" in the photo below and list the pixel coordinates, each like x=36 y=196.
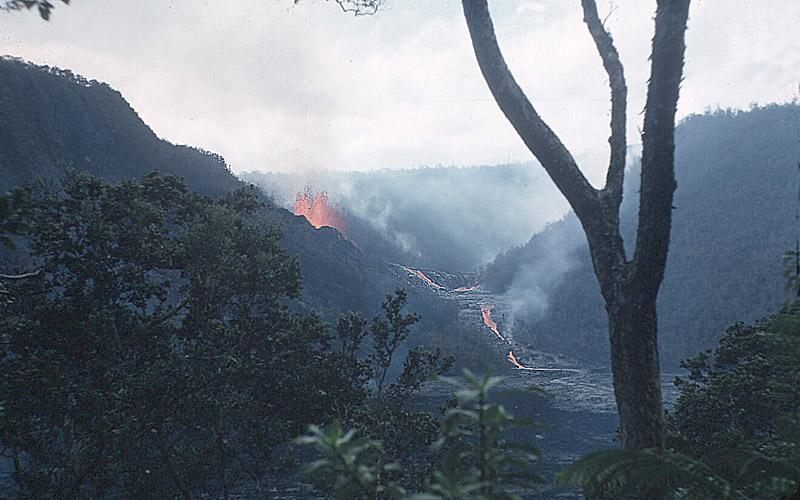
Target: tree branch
x=619 y=96
x=658 y=143
x=534 y=132
x=358 y=7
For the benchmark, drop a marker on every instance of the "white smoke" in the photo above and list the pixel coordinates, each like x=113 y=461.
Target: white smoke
x=555 y=254
x=455 y=219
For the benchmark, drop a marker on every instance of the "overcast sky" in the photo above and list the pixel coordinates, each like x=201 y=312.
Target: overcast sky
x=275 y=86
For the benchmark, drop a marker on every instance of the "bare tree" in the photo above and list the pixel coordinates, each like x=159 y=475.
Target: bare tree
x=629 y=286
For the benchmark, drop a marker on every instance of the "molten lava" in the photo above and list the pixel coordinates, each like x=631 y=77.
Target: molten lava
x=513 y=360
x=419 y=274
x=316 y=208
x=470 y=288
x=486 y=313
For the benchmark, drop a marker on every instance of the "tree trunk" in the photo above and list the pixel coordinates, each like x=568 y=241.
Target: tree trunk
x=634 y=362
x=629 y=287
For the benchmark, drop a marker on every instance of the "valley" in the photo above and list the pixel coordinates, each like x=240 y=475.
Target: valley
x=569 y=401
x=222 y=315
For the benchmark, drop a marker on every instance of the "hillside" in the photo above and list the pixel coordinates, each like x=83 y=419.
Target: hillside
x=734 y=218
x=52 y=120
x=448 y=218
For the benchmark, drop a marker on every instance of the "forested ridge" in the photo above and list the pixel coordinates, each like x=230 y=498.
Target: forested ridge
x=734 y=218
x=52 y=120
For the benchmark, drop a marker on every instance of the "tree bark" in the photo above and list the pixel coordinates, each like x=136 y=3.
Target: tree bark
x=629 y=287
x=634 y=364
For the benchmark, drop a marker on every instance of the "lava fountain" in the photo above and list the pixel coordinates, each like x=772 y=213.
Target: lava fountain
x=318 y=210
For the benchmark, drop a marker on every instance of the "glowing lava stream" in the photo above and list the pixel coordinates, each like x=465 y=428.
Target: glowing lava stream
x=419 y=274
x=470 y=288
x=513 y=360
x=486 y=313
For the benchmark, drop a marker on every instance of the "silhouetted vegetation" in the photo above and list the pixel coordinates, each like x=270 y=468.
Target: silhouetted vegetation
x=475 y=459
x=734 y=430
x=156 y=351
x=52 y=120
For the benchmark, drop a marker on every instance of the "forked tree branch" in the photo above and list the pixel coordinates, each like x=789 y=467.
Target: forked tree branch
x=619 y=97
x=534 y=132
x=658 y=145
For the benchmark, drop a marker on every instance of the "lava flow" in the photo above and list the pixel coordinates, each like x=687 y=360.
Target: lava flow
x=470 y=288
x=419 y=274
x=318 y=210
x=486 y=313
x=513 y=360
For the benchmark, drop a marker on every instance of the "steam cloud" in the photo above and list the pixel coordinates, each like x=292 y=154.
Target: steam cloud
x=553 y=255
x=450 y=218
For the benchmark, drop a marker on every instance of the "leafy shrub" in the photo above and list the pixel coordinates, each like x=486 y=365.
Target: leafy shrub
x=474 y=461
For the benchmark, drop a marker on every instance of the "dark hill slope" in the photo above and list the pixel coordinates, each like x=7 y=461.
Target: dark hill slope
x=52 y=119
x=734 y=219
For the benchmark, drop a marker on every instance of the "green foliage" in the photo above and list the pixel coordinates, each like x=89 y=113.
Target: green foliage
x=12 y=217
x=12 y=224
x=352 y=465
x=48 y=124
x=739 y=407
x=735 y=428
x=386 y=413
x=618 y=473
x=157 y=353
x=478 y=463
x=473 y=460
x=388 y=334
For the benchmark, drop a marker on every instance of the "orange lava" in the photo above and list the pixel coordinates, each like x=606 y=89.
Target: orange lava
x=513 y=360
x=316 y=208
x=419 y=274
x=486 y=313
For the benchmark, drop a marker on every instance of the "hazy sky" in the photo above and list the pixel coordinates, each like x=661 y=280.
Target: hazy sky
x=275 y=86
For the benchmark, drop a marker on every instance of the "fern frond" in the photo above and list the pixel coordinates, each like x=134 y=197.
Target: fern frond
x=618 y=473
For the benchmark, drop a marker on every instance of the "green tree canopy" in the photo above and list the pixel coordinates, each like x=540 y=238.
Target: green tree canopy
x=158 y=351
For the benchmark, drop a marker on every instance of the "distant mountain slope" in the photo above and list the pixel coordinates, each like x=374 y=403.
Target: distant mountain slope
x=734 y=218
x=51 y=120
x=447 y=218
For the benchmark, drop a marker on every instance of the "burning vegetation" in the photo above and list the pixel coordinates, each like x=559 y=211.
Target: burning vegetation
x=318 y=210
